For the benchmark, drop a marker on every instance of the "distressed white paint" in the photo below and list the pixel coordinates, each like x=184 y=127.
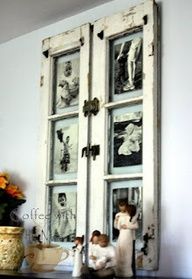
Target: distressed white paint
x=150 y=148
x=98 y=135
x=56 y=46
x=113 y=27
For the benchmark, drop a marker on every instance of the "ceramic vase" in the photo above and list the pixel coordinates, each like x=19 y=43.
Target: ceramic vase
x=11 y=247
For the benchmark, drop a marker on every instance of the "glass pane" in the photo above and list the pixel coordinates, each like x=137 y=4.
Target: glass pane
x=64 y=159
x=63 y=207
x=131 y=193
x=126 y=64
x=66 y=83
x=126 y=140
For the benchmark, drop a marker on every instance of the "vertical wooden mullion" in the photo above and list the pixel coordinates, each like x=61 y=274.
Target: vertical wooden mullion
x=97 y=202
x=44 y=126
x=83 y=132
x=150 y=183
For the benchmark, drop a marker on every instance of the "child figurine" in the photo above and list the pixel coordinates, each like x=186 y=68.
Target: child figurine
x=126 y=222
x=104 y=261
x=78 y=256
x=94 y=242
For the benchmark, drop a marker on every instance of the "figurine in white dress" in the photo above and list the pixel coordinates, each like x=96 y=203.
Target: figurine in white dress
x=78 y=256
x=126 y=224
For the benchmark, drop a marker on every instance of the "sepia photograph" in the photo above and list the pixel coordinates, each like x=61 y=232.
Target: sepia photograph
x=65 y=147
x=127 y=139
x=63 y=214
x=66 y=73
x=127 y=64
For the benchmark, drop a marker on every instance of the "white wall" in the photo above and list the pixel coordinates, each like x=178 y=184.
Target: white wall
x=20 y=116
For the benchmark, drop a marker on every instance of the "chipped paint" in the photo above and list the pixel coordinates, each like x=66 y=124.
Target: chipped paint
x=41 y=81
x=151 y=49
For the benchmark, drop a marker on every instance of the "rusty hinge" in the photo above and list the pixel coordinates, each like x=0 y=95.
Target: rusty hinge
x=91 y=107
x=89 y=150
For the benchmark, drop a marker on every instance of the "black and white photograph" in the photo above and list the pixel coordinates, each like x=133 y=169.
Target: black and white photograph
x=127 y=64
x=65 y=149
x=127 y=139
x=63 y=214
x=67 y=69
x=131 y=196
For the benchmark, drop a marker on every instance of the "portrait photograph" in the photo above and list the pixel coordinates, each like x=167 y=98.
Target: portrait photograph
x=63 y=213
x=66 y=81
x=127 y=139
x=127 y=64
x=65 y=148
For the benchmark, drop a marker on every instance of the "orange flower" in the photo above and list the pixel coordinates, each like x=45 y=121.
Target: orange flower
x=3 y=180
x=14 y=191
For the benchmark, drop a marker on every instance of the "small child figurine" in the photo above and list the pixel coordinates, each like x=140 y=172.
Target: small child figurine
x=93 y=245
x=104 y=261
x=78 y=256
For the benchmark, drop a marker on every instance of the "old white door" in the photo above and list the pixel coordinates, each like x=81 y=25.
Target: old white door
x=124 y=79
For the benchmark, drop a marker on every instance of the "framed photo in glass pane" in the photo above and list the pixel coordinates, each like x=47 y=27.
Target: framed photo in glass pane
x=126 y=64
x=126 y=140
x=63 y=207
x=64 y=159
x=66 y=82
x=131 y=193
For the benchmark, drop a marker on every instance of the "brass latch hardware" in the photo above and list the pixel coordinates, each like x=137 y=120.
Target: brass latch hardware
x=89 y=150
x=91 y=107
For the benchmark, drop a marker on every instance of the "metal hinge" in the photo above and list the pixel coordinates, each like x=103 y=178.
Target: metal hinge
x=89 y=150
x=91 y=107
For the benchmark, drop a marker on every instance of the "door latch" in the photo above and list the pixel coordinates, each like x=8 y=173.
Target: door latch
x=89 y=150
x=91 y=107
